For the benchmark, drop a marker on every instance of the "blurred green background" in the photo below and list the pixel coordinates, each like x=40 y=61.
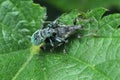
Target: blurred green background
x=56 y=7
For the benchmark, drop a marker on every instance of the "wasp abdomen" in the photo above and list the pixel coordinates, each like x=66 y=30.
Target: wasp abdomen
x=65 y=32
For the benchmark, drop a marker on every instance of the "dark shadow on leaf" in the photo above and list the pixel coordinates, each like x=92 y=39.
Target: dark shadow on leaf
x=52 y=12
x=118 y=26
x=111 y=10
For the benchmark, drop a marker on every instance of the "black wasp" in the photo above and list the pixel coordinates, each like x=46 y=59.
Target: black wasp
x=54 y=34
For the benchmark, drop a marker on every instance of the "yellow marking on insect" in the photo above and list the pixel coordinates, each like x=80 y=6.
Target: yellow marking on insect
x=36 y=49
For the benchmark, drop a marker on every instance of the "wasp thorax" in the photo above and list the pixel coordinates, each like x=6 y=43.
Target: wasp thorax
x=40 y=35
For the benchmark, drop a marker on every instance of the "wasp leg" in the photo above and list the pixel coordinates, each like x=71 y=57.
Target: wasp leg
x=59 y=39
x=79 y=17
x=75 y=21
x=78 y=36
x=64 y=51
x=90 y=34
x=66 y=41
x=51 y=43
x=58 y=23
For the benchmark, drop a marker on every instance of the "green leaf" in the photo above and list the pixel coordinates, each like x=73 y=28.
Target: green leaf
x=87 y=58
x=18 y=20
x=83 y=5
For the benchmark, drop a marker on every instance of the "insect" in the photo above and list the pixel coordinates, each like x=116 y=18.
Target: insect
x=54 y=34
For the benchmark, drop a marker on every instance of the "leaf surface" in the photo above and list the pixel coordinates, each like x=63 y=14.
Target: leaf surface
x=87 y=58
x=18 y=20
